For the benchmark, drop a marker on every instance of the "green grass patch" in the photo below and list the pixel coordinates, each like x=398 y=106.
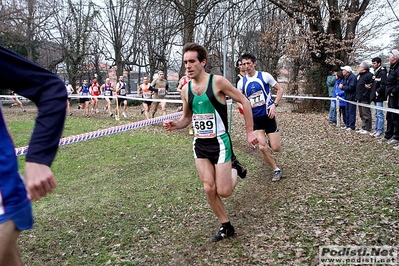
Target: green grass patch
x=134 y=198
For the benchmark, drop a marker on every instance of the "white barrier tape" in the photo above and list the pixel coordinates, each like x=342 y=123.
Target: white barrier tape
x=103 y=97
x=104 y=132
x=396 y=111
x=125 y=97
x=391 y=110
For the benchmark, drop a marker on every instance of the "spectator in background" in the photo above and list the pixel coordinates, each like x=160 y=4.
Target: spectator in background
x=377 y=95
x=47 y=91
x=332 y=115
x=392 y=91
x=363 y=87
x=349 y=88
x=339 y=79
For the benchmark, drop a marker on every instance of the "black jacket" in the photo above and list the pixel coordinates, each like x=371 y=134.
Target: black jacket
x=362 y=93
x=393 y=80
x=377 y=92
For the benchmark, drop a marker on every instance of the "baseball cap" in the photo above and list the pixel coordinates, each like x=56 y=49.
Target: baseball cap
x=347 y=68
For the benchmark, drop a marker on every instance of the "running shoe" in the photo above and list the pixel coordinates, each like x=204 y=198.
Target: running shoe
x=277 y=175
x=111 y=114
x=124 y=115
x=393 y=141
x=241 y=170
x=223 y=233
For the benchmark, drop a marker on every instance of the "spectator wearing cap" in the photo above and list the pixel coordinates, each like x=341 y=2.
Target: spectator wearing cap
x=349 y=88
x=363 y=87
x=392 y=91
x=377 y=95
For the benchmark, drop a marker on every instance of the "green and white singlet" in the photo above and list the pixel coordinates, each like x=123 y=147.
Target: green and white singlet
x=211 y=139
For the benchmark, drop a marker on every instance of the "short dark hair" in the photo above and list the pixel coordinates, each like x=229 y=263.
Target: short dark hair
x=239 y=60
x=376 y=59
x=202 y=54
x=248 y=56
x=340 y=75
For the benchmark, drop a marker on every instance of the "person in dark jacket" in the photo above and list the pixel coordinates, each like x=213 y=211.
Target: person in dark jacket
x=392 y=91
x=349 y=87
x=363 y=87
x=377 y=95
x=48 y=92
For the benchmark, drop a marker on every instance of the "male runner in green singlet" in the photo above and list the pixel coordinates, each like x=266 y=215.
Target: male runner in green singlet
x=204 y=103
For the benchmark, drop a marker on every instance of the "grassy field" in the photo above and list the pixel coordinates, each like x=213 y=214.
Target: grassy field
x=134 y=198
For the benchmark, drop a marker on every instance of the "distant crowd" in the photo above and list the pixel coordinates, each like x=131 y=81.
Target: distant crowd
x=373 y=84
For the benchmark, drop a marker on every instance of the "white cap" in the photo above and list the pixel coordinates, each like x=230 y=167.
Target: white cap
x=347 y=68
x=395 y=53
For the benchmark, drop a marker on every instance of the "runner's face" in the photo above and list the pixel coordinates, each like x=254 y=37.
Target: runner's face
x=192 y=64
x=161 y=75
x=145 y=80
x=249 y=66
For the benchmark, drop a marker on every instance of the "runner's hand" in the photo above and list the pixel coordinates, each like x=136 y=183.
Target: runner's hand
x=39 y=180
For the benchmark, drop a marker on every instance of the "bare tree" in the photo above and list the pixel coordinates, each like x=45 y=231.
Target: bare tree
x=22 y=24
x=73 y=30
x=117 y=22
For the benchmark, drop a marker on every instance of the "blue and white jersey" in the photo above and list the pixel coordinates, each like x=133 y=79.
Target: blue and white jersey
x=257 y=90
